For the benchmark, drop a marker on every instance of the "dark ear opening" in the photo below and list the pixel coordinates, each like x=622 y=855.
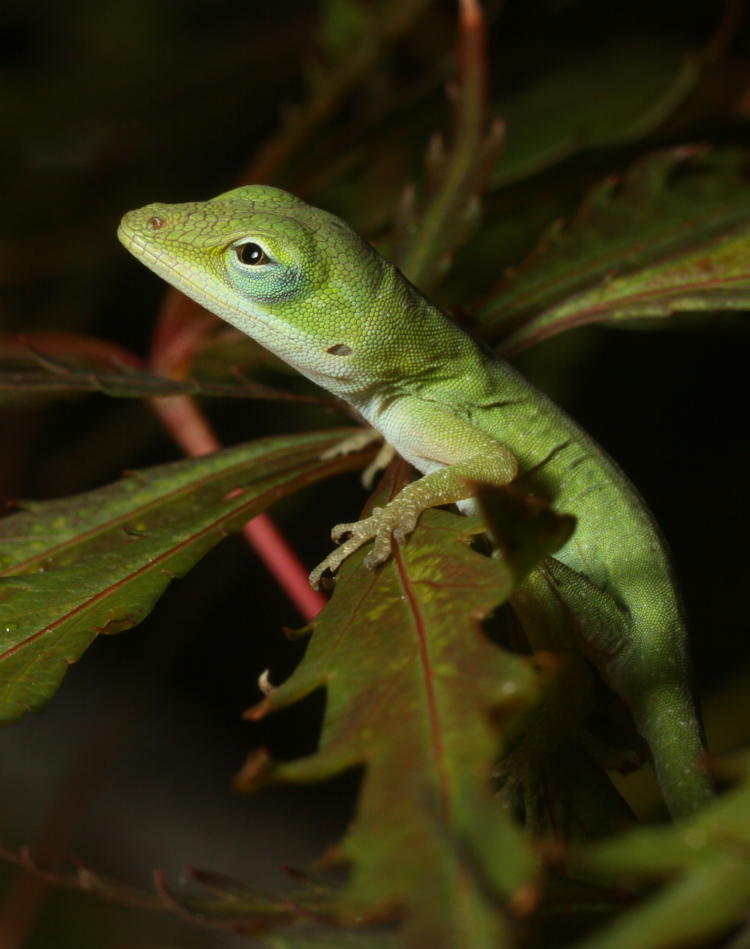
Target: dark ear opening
x=340 y=349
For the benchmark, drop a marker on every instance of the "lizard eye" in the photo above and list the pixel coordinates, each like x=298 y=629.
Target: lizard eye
x=251 y=254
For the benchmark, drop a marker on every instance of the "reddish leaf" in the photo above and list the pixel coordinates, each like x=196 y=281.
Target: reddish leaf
x=98 y=562
x=418 y=695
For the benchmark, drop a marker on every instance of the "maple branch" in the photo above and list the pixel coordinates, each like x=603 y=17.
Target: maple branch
x=188 y=426
x=455 y=178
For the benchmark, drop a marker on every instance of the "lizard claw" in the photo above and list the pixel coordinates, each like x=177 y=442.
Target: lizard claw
x=338 y=531
x=406 y=524
x=334 y=560
x=354 y=529
x=396 y=520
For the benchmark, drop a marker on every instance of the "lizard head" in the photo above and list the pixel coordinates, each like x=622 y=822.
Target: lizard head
x=295 y=278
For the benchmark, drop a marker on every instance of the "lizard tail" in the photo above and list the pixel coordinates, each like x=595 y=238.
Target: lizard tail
x=665 y=716
x=643 y=656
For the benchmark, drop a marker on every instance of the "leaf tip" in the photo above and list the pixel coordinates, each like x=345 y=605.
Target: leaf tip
x=258 y=711
x=300 y=632
x=524 y=900
x=255 y=771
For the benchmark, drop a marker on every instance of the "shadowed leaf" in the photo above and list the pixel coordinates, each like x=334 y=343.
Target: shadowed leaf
x=522 y=525
x=554 y=748
x=44 y=373
x=230 y=354
x=618 y=94
x=418 y=695
x=671 y=235
x=98 y=562
x=327 y=941
x=455 y=176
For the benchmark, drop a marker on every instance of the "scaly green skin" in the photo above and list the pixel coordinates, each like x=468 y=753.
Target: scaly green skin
x=325 y=301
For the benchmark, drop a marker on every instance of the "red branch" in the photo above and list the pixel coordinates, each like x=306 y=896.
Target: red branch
x=190 y=429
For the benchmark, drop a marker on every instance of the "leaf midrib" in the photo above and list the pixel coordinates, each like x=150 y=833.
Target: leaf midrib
x=173 y=551
x=436 y=733
x=661 y=237
x=162 y=500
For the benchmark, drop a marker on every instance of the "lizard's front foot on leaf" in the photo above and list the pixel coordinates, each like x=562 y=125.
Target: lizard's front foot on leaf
x=398 y=519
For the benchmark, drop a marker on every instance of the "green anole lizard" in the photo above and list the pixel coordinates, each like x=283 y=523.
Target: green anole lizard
x=308 y=288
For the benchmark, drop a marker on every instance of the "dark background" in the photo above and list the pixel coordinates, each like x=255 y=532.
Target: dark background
x=106 y=106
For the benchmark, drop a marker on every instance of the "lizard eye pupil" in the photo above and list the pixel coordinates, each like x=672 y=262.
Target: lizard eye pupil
x=251 y=254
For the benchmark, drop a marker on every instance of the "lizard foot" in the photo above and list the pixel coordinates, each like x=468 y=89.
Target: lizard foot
x=356 y=443
x=398 y=519
x=379 y=463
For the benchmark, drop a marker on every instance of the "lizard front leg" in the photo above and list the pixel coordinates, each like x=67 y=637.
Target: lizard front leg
x=490 y=461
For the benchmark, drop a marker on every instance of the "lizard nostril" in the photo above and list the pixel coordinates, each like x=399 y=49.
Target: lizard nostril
x=155 y=223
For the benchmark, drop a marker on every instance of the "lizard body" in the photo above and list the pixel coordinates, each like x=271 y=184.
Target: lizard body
x=307 y=287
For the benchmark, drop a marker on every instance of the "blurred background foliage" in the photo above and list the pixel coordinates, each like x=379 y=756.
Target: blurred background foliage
x=109 y=105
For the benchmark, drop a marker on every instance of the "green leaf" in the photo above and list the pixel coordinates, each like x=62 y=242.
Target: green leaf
x=341 y=940
x=98 y=562
x=702 y=863
x=617 y=95
x=342 y=23
x=420 y=697
x=671 y=235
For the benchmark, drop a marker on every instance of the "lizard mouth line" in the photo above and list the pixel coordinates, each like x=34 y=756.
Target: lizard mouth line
x=166 y=269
